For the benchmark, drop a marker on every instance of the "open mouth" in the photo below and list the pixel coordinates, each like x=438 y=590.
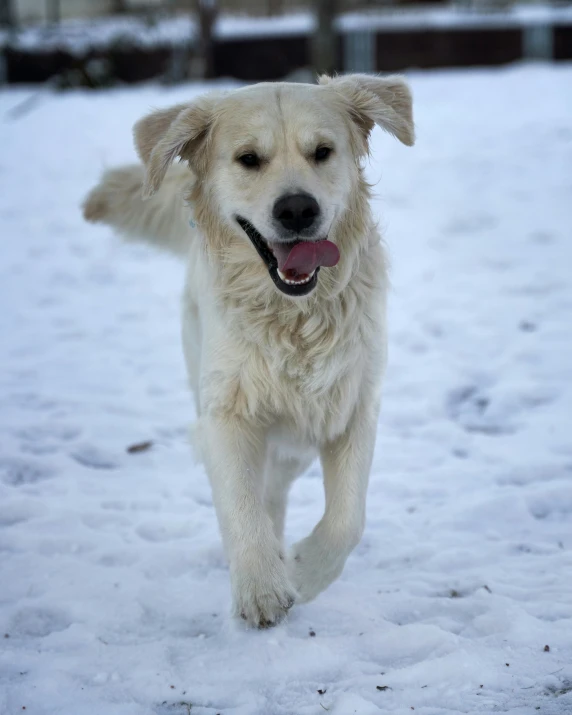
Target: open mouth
x=293 y=265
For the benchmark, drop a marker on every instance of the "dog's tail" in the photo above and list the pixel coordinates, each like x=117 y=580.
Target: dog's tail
x=162 y=220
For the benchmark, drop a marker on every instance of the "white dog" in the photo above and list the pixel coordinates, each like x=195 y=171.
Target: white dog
x=284 y=307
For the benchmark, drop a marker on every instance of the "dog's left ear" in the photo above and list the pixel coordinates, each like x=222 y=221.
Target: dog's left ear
x=385 y=101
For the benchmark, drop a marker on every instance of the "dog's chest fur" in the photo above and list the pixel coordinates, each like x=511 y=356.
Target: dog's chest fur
x=301 y=370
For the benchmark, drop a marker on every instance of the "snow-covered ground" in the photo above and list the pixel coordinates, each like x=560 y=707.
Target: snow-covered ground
x=114 y=593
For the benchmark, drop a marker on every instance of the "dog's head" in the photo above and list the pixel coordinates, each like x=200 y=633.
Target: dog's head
x=277 y=164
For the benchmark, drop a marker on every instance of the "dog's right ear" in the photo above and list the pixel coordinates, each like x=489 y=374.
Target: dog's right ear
x=181 y=131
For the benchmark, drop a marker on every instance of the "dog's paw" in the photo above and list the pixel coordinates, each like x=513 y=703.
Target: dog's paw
x=263 y=599
x=312 y=567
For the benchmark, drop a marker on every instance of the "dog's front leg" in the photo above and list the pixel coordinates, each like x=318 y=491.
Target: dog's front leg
x=319 y=559
x=235 y=453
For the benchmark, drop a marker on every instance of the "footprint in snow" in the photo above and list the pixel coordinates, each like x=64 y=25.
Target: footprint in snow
x=93 y=458
x=38 y=622
x=161 y=531
x=471 y=406
x=12 y=512
x=471 y=224
x=43 y=433
x=554 y=504
x=115 y=559
x=20 y=472
x=46 y=438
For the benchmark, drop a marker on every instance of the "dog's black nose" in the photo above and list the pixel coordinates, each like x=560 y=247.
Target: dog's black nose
x=296 y=211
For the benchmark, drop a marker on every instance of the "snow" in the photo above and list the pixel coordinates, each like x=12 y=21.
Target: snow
x=79 y=36
x=114 y=593
x=455 y=17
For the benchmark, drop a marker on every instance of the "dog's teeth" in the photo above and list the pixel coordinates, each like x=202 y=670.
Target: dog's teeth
x=295 y=283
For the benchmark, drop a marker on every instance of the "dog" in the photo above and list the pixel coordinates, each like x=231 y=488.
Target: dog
x=284 y=327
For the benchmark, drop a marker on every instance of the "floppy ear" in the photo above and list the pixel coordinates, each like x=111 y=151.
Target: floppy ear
x=385 y=101
x=166 y=134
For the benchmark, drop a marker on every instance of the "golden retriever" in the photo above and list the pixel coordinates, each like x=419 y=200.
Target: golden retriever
x=284 y=308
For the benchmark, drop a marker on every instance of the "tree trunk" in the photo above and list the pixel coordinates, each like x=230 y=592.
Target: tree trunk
x=206 y=13
x=53 y=11
x=324 y=53
x=7 y=13
x=119 y=7
x=274 y=7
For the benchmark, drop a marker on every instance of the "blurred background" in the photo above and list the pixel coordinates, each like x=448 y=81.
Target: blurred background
x=95 y=43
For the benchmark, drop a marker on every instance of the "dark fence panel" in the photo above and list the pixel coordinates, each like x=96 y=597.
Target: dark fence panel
x=129 y=65
x=138 y=65
x=23 y=66
x=563 y=43
x=446 y=48
x=261 y=59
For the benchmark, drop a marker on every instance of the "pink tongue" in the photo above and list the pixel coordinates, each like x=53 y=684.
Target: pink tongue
x=306 y=256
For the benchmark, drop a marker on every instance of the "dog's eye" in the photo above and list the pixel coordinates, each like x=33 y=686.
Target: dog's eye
x=322 y=153
x=251 y=161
